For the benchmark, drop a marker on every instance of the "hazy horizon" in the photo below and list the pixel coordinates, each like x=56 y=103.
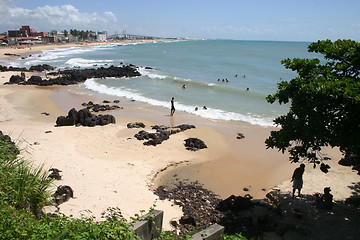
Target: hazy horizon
x=258 y=20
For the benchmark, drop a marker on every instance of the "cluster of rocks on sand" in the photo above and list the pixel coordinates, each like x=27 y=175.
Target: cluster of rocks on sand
x=70 y=77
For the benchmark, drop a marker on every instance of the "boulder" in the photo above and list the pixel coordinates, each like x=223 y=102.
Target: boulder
x=64 y=121
x=55 y=173
x=235 y=203
x=194 y=144
x=135 y=125
x=85 y=118
x=187 y=220
x=63 y=194
x=15 y=79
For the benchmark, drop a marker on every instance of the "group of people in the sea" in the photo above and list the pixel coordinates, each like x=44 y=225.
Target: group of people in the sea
x=172 y=108
x=226 y=80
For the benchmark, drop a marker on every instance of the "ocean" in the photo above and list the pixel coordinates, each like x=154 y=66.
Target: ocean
x=231 y=78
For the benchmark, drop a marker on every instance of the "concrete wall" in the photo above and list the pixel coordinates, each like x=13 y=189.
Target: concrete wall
x=151 y=228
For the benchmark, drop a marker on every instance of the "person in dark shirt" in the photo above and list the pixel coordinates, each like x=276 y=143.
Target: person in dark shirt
x=172 y=107
x=297 y=179
x=326 y=199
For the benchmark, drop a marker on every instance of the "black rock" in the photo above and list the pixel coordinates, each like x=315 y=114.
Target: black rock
x=235 y=203
x=77 y=76
x=184 y=127
x=41 y=68
x=187 y=220
x=63 y=194
x=85 y=118
x=240 y=136
x=135 y=125
x=194 y=144
x=55 y=173
x=15 y=79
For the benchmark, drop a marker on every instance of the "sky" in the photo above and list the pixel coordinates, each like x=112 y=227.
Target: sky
x=273 y=20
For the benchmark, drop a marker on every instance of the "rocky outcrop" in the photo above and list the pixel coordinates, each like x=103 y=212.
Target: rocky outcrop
x=100 y=108
x=69 y=77
x=153 y=139
x=40 y=68
x=84 y=117
x=162 y=133
x=198 y=205
x=202 y=208
x=15 y=69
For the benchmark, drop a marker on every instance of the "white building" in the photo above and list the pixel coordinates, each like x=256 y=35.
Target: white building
x=101 y=36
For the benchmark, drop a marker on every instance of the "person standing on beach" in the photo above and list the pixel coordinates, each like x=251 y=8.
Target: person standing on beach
x=172 y=107
x=297 y=179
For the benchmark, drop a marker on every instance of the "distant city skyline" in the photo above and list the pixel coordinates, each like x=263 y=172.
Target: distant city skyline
x=278 y=20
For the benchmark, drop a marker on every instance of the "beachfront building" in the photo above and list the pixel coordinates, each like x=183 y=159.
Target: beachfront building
x=50 y=39
x=25 y=31
x=24 y=40
x=25 y=35
x=62 y=37
x=101 y=36
x=3 y=41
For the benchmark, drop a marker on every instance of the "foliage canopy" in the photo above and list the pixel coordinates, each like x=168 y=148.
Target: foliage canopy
x=324 y=103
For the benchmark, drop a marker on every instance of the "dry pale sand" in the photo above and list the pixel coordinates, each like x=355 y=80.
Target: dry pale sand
x=107 y=167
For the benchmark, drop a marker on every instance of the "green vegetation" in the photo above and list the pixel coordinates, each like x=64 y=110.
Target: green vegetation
x=21 y=224
x=324 y=103
x=238 y=236
x=83 y=35
x=23 y=194
x=20 y=185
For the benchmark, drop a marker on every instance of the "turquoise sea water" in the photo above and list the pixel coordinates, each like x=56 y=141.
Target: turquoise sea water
x=201 y=65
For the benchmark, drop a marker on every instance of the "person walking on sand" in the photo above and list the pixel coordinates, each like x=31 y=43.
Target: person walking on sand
x=297 y=179
x=172 y=107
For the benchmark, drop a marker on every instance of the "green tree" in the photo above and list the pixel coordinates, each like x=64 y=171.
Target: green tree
x=324 y=103
x=74 y=32
x=66 y=33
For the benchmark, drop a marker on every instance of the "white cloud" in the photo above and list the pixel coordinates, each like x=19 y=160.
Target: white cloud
x=48 y=18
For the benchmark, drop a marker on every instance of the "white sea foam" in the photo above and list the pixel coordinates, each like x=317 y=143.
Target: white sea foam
x=151 y=74
x=209 y=113
x=64 y=52
x=85 y=63
x=48 y=56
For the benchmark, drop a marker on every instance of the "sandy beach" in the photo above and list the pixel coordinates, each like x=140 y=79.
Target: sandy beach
x=107 y=167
